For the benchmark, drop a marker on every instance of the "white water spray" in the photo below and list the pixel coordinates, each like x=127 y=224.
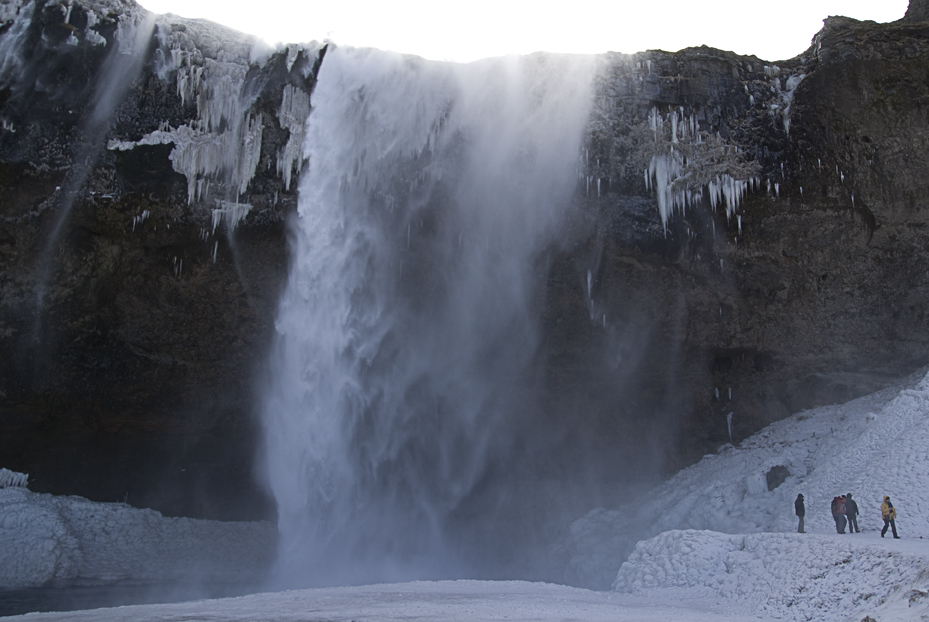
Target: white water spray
x=398 y=394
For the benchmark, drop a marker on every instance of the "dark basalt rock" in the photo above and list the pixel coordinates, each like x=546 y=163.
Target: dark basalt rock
x=135 y=374
x=133 y=378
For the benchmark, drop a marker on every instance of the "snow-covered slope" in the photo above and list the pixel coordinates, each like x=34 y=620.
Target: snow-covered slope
x=49 y=540
x=873 y=446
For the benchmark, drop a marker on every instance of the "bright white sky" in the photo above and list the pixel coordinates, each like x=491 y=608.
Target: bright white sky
x=466 y=30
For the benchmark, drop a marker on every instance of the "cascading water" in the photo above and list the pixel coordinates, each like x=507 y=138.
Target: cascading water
x=406 y=370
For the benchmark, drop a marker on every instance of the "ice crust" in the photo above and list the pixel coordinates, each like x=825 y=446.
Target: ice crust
x=52 y=540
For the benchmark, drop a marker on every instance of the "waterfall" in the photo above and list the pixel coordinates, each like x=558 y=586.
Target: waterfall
x=405 y=365
x=117 y=73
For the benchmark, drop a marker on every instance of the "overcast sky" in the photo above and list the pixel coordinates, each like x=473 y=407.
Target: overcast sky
x=465 y=31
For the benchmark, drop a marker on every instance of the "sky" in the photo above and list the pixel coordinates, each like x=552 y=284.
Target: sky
x=466 y=31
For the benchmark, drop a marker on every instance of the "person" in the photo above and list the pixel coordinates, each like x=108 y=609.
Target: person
x=889 y=512
x=841 y=510
x=838 y=503
x=851 y=513
x=800 y=511
x=835 y=514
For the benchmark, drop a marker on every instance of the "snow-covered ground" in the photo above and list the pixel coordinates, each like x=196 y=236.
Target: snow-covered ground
x=432 y=601
x=711 y=543
x=47 y=540
x=873 y=446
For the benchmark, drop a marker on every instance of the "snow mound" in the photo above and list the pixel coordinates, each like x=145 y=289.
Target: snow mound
x=788 y=576
x=49 y=540
x=873 y=446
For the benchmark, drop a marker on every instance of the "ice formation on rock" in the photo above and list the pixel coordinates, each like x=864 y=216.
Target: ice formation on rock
x=219 y=151
x=10 y=478
x=688 y=162
x=295 y=108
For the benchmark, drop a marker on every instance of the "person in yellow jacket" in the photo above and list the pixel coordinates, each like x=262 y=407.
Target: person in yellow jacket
x=889 y=512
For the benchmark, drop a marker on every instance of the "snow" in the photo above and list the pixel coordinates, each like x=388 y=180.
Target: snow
x=433 y=601
x=872 y=446
x=786 y=576
x=48 y=540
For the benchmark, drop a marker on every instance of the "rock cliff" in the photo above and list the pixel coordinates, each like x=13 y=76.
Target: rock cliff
x=749 y=238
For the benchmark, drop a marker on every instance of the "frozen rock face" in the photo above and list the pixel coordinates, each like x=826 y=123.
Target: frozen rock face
x=136 y=307
x=809 y=292
x=745 y=237
x=918 y=11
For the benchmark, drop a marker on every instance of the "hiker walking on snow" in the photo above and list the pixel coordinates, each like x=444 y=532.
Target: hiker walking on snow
x=851 y=512
x=800 y=511
x=889 y=512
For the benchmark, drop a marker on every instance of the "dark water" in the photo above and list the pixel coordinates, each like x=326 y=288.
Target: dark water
x=16 y=602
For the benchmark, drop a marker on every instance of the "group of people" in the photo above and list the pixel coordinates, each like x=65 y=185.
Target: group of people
x=845 y=512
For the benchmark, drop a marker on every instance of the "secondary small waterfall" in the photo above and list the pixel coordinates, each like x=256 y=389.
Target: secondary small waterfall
x=406 y=364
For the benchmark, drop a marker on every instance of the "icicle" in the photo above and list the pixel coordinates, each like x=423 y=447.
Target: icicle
x=215 y=249
x=729 y=424
x=717 y=393
x=739 y=217
x=12 y=479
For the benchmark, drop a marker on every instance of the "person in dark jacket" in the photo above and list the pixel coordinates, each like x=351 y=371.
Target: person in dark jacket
x=800 y=511
x=889 y=512
x=851 y=513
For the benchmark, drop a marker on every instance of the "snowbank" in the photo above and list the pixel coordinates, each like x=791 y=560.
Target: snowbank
x=49 y=540
x=789 y=576
x=873 y=446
